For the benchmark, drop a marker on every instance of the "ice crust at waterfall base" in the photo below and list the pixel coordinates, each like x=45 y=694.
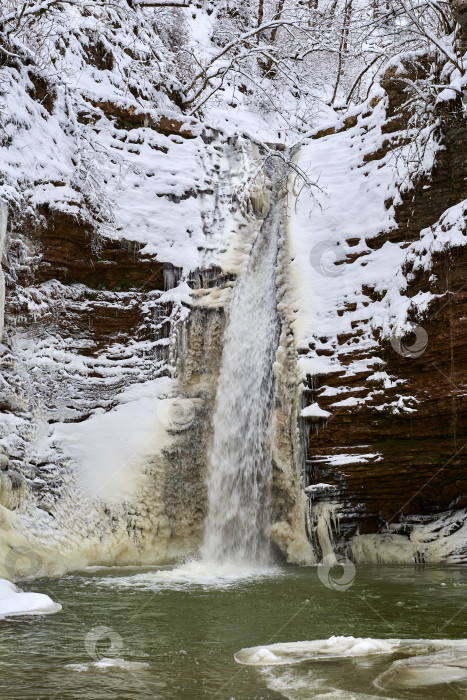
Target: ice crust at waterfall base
x=14 y=601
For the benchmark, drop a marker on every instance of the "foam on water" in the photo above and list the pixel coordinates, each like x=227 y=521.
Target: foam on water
x=193 y=573
x=303 y=687
x=105 y=664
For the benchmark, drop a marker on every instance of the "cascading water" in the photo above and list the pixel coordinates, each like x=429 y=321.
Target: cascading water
x=3 y=224
x=240 y=469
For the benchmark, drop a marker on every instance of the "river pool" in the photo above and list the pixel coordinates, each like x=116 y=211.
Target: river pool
x=158 y=633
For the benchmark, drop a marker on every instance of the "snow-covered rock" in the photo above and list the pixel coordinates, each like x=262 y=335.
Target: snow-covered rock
x=15 y=602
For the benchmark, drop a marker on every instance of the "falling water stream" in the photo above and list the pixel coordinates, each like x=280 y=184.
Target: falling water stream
x=239 y=474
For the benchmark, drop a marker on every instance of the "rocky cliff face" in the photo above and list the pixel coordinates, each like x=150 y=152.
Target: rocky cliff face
x=114 y=300
x=128 y=229
x=390 y=458
x=110 y=364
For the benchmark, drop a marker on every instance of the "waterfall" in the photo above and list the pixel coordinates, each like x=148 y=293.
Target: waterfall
x=239 y=473
x=3 y=224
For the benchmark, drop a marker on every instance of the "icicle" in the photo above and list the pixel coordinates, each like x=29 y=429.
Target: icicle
x=323 y=517
x=172 y=276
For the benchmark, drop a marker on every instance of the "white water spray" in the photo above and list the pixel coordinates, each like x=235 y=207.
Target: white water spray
x=239 y=478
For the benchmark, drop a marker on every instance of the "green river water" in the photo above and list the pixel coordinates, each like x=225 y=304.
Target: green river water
x=187 y=634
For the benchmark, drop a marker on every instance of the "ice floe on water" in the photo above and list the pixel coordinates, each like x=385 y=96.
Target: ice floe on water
x=193 y=573
x=425 y=671
x=14 y=602
x=300 y=670
x=106 y=664
x=296 y=652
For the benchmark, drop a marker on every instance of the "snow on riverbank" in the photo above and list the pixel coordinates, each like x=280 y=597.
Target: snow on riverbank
x=14 y=601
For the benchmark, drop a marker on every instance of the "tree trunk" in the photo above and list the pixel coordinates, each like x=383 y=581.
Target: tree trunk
x=459 y=10
x=260 y=12
x=277 y=16
x=333 y=8
x=343 y=45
